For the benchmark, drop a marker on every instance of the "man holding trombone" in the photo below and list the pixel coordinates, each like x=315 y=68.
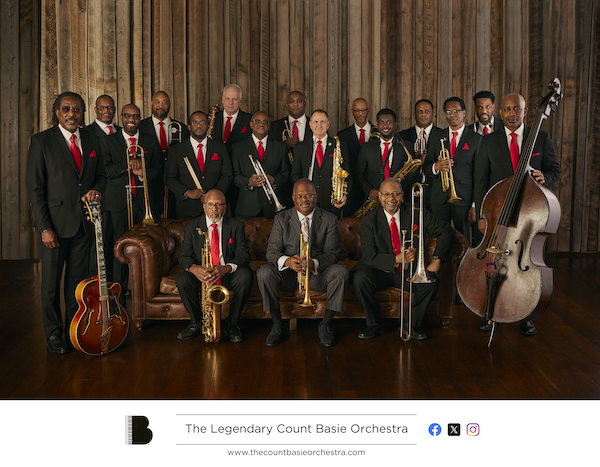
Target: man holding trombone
x=306 y=225
x=259 y=169
x=384 y=257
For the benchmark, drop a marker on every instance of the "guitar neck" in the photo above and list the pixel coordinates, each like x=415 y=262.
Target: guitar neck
x=102 y=281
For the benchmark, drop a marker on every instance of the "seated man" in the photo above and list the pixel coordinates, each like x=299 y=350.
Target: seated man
x=381 y=260
x=230 y=258
x=284 y=262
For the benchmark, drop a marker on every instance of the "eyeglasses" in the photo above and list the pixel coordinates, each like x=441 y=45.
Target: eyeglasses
x=199 y=122
x=101 y=108
x=307 y=197
x=260 y=122
x=453 y=112
x=134 y=116
x=66 y=108
x=215 y=205
x=360 y=111
x=395 y=194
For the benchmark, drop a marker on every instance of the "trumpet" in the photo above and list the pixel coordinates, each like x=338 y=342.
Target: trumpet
x=447 y=178
x=213 y=296
x=211 y=120
x=339 y=185
x=269 y=191
x=132 y=153
x=285 y=134
x=305 y=277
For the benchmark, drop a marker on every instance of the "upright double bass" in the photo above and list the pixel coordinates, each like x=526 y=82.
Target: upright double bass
x=504 y=279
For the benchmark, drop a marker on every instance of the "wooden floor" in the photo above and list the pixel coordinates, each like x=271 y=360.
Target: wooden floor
x=561 y=362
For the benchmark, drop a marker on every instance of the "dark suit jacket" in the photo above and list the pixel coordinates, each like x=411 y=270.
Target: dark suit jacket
x=464 y=157
x=498 y=125
x=369 y=169
x=284 y=239
x=95 y=128
x=321 y=177
x=277 y=127
x=274 y=163
x=376 y=240
x=217 y=174
x=232 y=243
x=54 y=185
x=115 y=163
x=147 y=126
x=241 y=129
x=493 y=162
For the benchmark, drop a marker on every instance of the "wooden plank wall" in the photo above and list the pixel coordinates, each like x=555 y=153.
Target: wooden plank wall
x=391 y=52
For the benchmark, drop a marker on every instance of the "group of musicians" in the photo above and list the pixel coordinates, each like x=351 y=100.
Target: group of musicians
x=239 y=162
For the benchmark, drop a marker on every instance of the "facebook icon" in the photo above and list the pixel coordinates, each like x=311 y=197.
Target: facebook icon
x=435 y=429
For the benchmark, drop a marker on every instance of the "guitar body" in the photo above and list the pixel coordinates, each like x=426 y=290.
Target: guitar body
x=99 y=326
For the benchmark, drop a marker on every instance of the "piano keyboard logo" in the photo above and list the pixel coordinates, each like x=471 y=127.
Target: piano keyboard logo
x=137 y=430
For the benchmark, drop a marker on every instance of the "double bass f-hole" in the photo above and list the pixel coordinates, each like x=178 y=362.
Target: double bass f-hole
x=526 y=268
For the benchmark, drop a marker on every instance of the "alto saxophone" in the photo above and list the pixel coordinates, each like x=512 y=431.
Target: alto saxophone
x=409 y=167
x=213 y=296
x=339 y=185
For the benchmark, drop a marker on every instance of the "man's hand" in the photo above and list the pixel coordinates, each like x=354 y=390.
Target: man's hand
x=291 y=142
x=409 y=256
x=342 y=204
x=209 y=276
x=256 y=180
x=91 y=196
x=296 y=264
x=195 y=194
x=435 y=265
x=481 y=225
x=136 y=167
x=50 y=239
x=374 y=193
x=538 y=176
x=443 y=165
x=471 y=216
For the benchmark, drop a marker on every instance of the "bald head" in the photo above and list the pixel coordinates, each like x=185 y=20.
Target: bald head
x=512 y=111
x=161 y=104
x=360 y=111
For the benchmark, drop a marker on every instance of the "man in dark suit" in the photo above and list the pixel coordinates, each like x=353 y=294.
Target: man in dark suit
x=272 y=156
x=116 y=162
x=381 y=259
x=167 y=133
x=419 y=135
x=313 y=159
x=486 y=123
x=211 y=167
x=495 y=162
x=64 y=168
x=295 y=124
x=105 y=112
x=382 y=157
x=285 y=265
x=355 y=136
x=462 y=144
x=230 y=258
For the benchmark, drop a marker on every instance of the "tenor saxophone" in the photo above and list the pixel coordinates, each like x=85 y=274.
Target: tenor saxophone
x=213 y=296
x=339 y=185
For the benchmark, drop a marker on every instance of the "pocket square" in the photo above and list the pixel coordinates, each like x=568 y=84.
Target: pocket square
x=244 y=130
x=215 y=157
x=465 y=147
x=415 y=227
x=535 y=154
x=230 y=242
x=93 y=153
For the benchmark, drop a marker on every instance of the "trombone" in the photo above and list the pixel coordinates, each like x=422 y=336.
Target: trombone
x=175 y=136
x=269 y=191
x=305 y=277
x=447 y=177
x=132 y=153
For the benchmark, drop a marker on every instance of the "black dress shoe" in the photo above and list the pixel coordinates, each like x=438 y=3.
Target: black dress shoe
x=486 y=326
x=417 y=335
x=192 y=330
x=326 y=335
x=276 y=335
x=234 y=333
x=528 y=328
x=56 y=344
x=372 y=331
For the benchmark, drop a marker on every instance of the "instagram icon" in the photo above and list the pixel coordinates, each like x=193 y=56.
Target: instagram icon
x=473 y=429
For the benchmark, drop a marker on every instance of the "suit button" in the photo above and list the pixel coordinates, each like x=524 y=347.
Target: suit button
x=80 y=184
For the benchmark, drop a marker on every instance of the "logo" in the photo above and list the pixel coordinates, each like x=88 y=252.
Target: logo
x=453 y=429
x=473 y=429
x=435 y=429
x=137 y=430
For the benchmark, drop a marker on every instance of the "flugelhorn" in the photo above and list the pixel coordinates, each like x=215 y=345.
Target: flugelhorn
x=269 y=191
x=132 y=152
x=285 y=134
x=213 y=296
x=305 y=277
x=447 y=178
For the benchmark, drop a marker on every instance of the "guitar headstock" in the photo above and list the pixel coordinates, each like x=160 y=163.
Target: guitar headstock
x=94 y=212
x=550 y=100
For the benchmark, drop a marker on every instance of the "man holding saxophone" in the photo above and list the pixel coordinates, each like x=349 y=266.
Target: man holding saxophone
x=304 y=223
x=230 y=258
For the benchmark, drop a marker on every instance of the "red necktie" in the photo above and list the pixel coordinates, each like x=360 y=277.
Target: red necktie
x=163 y=138
x=453 y=144
x=261 y=150
x=485 y=130
x=227 y=130
x=110 y=130
x=361 y=140
x=319 y=154
x=200 y=158
x=514 y=151
x=214 y=247
x=295 y=130
x=384 y=159
x=132 y=154
x=76 y=153
x=395 y=238
x=424 y=138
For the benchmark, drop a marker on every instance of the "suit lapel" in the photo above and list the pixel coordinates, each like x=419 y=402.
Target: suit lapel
x=225 y=236
x=65 y=149
x=383 y=226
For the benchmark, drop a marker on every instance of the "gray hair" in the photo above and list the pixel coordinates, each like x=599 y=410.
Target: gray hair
x=233 y=86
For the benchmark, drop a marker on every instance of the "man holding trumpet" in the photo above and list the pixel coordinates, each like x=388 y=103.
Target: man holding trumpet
x=286 y=267
x=383 y=258
x=252 y=159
